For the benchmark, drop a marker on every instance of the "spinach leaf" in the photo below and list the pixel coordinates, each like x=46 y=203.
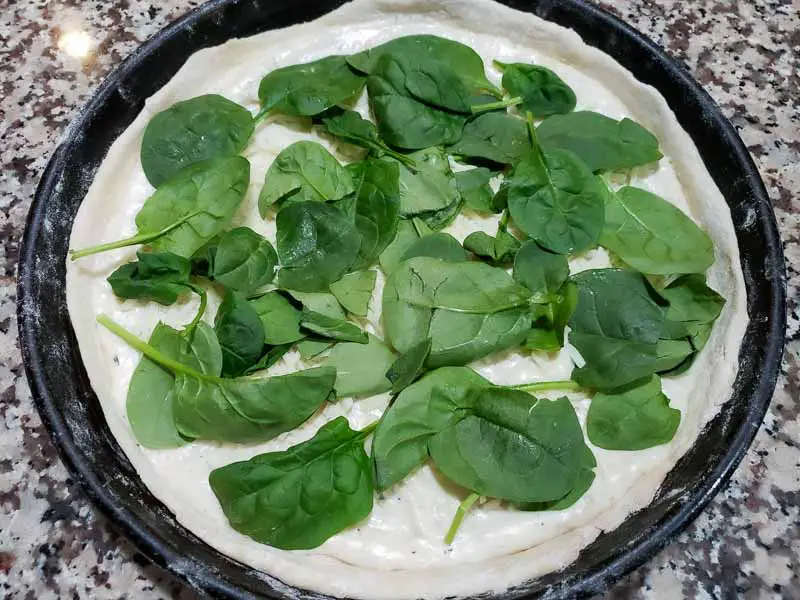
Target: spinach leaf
x=583 y=482
x=317 y=244
x=431 y=187
x=192 y=131
x=240 y=332
x=543 y=92
x=437 y=245
x=354 y=129
x=556 y=200
x=298 y=498
x=549 y=320
x=244 y=409
x=406 y=369
x=508 y=445
x=354 y=291
x=392 y=256
x=400 y=444
x=497 y=250
x=308 y=89
x=157 y=276
x=270 y=358
x=672 y=354
x=494 y=136
x=376 y=208
x=616 y=327
x=635 y=419
x=303 y=172
x=279 y=319
x=541 y=271
x=244 y=260
x=473 y=185
x=188 y=210
x=335 y=329
x=361 y=368
x=602 y=143
x=425 y=49
x=403 y=121
x=436 y=83
x=653 y=236
x=694 y=305
x=311 y=348
x=320 y=302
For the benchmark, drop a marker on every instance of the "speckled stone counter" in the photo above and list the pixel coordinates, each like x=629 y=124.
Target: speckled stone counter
x=54 y=544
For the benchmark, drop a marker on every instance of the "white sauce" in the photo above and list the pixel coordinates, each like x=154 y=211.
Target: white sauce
x=398 y=552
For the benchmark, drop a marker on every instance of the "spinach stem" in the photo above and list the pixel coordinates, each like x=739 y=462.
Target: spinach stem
x=150 y=352
x=200 y=311
x=479 y=108
x=458 y=518
x=402 y=158
x=368 y=429
x=544 y=386
x=142 y=238
x=261 y=115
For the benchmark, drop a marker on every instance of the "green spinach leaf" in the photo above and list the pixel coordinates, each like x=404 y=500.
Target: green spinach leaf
x=311 y=348
x=157 y=276
x=335 y=329
x=244 y=260
x=497 y=250
x=437 y=245
x=317 y=244
x=543 y=92
x=493 y=136
x=309 y=89
x=354 y=291
x=361 y=368
x=393 y=254
x=354 y=129
x=406 y=369
x=298 y=498
x=279 y=319
x=303 y=172
x=320 y=302
x=602 y=143
x=430 y=188
x=240 y=332
x=270 y=358
x=635 y=419
x=477 y=194
x=193 y=131
x=541 y=271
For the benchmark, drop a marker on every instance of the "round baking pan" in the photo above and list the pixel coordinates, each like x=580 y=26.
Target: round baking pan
x=73 y=415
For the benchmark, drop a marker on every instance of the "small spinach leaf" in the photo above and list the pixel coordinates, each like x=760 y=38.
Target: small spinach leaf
x=317 y=244
x=636 y=419
x=543 y=92
x=304 y=171
x=431 y=187
x=192 y=131
x=494 y=136
x=354 y=129
x=541 y=271
x=497 y=250
x=406 y=369
x=335 y=329
x=279 y=319
x=309 y=89
x=270 y=357
x=320 y=302
x=298 y=498
x=473 y=185
x=602 y=143
x=157 y=276
x=240 y=332
x=361 y=368
x=354 y=291
x=311 y=348
x=244 y=260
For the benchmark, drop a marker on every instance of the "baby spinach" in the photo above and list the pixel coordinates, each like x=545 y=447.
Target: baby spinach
x=304 y=171
x=320 y=302
x=408 y=367
x=244 y=409
x=693 y=305
x=425 y=49
x=393 y=254
x=602 y=143
x=542 y=441
x=635 y=419
x=541 y=271
x=317 y=244
x=436 y=245
x=549 y=320
x=616 y=327
x=654 y=236
x=497 y=250
x=477 y=194
x=354 y=291
x=188 y=210
x=403 y=121
x=361 y=368
x=311 y=348
x=354 y=129
x=493 y=136
x=244 y=260
x=298 y=498
x=543 y=92
x=240 y=333
x=428 y=406
x=329 y=327
x=279 y=319
x=583 y=482
x=193 y=131
x=309 y=89
x=556 y=200
x=430 y=188
x=157 y=276
x=376 y=207
x=270 y=357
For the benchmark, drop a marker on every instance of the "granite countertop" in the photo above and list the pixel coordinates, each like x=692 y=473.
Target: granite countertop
x=54 y=544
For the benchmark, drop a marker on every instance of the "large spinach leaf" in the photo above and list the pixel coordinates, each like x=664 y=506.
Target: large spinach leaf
x=157 y=276
x=240 y=332
x=616 y=327
x=193 y=131
x=543 y=92
x=309 y=89
x=654 y=236
x=244 y=260
x=635 y=419
x=304 y=171
x=317 y=244
x=437 y=245
x=602 y=143
x=493 y=136
x=298 y=498
x=361 y=368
